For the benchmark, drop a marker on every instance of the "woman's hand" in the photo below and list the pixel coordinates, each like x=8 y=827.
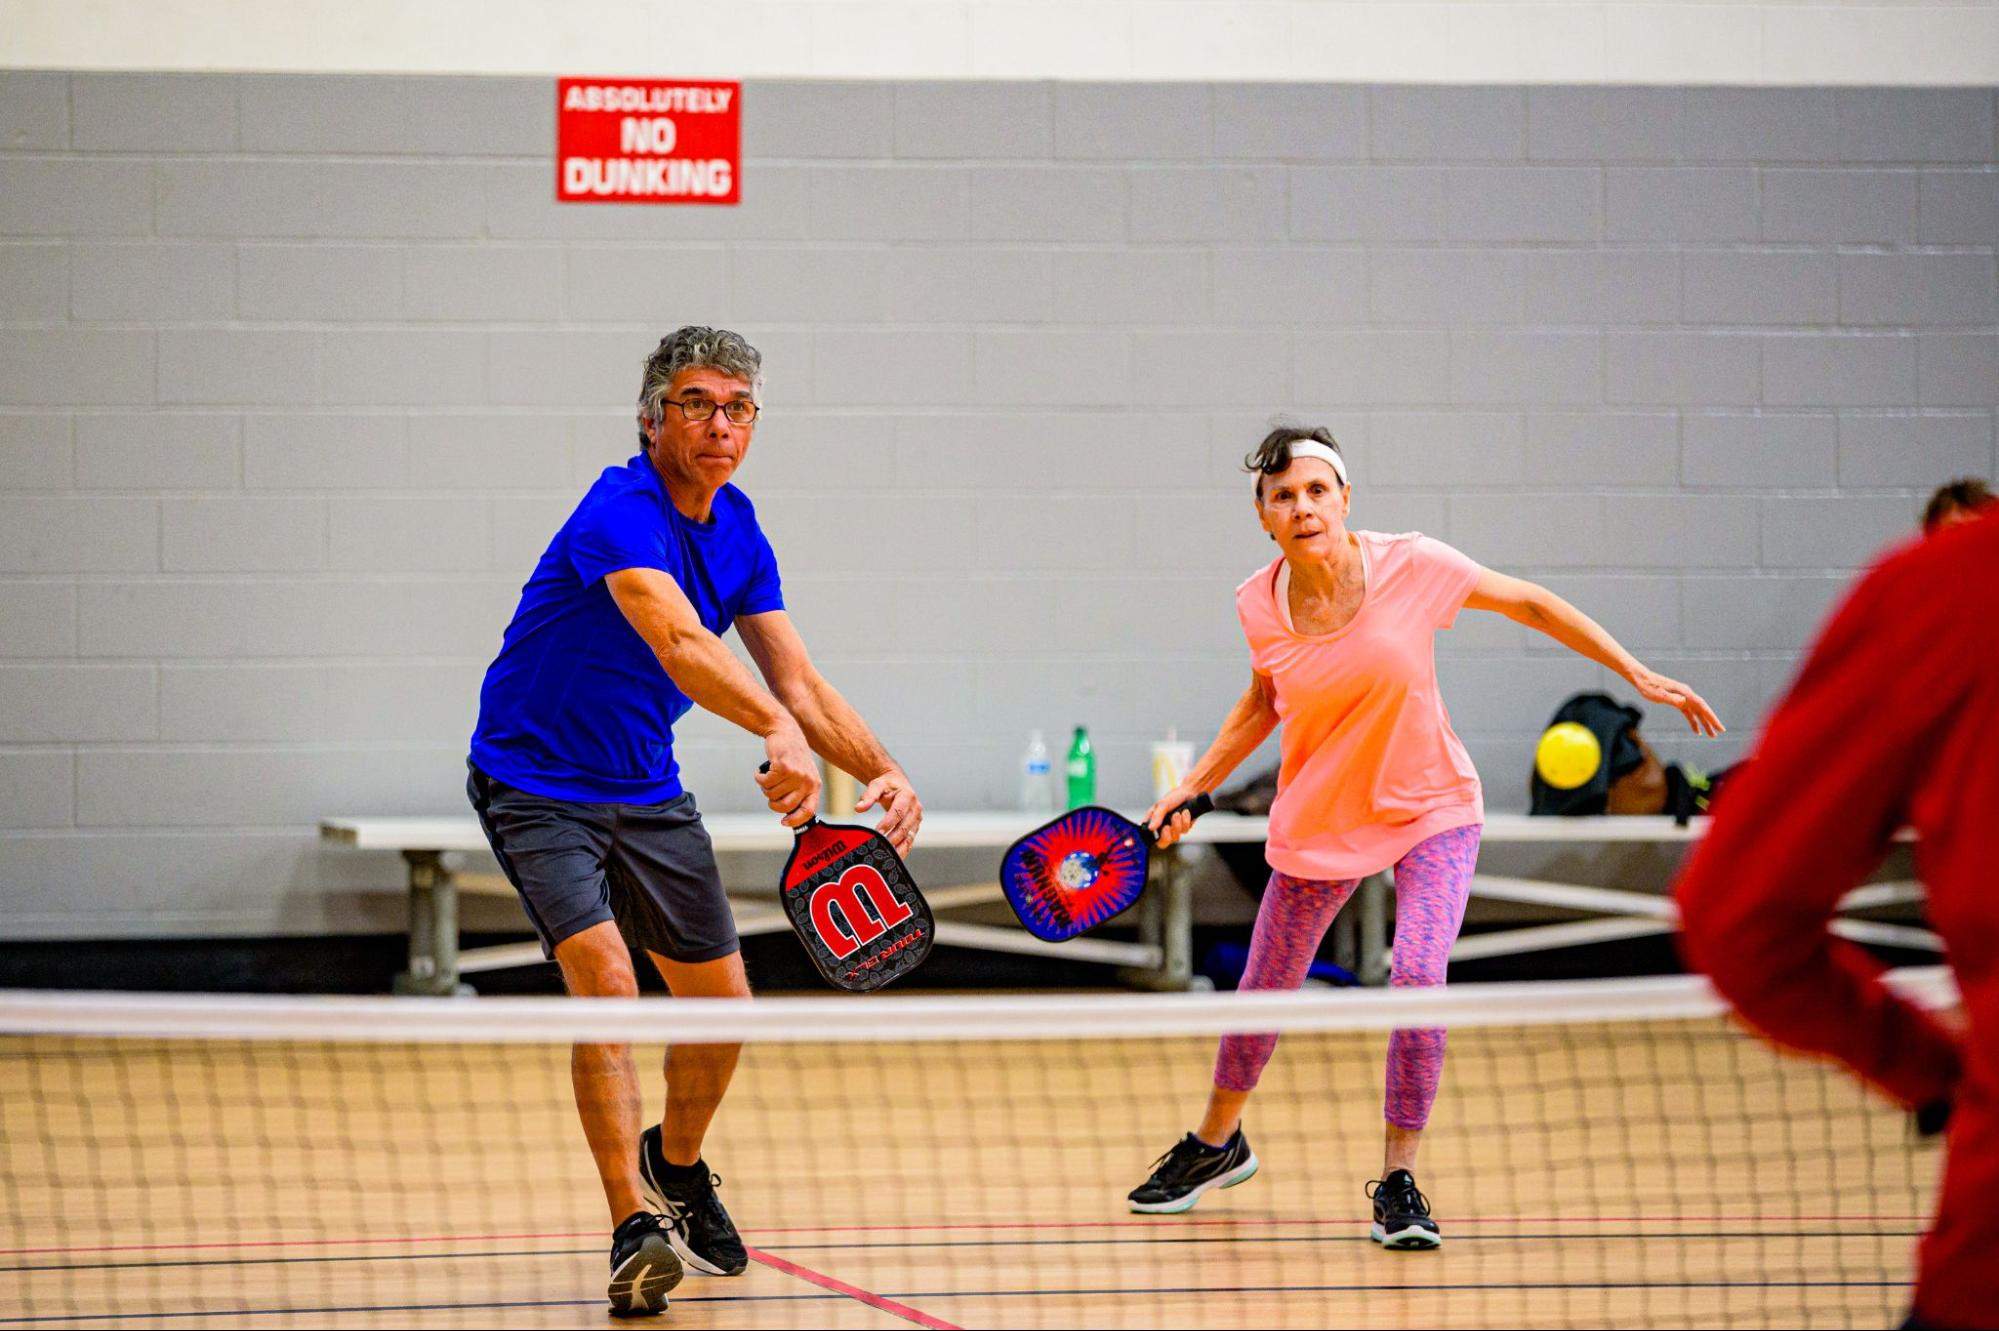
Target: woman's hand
x=1654 y=687
x=1170 y=832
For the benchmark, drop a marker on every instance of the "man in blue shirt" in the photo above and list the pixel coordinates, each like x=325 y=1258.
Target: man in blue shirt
x=573 y=776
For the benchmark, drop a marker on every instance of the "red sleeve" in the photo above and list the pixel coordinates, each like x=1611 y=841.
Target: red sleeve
x=1811 y=815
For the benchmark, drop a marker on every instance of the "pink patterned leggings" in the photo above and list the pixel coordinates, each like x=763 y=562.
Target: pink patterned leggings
x=1431 y=884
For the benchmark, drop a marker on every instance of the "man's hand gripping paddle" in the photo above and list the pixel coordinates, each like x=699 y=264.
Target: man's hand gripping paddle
x=1076 y=872
x=853 y=904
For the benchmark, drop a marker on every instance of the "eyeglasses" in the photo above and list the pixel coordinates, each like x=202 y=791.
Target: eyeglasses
x=740 y=412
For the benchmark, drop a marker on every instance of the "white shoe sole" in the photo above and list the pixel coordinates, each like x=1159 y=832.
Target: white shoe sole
x=1240 y=1174
x=1415 y=1236
x=639 y=1287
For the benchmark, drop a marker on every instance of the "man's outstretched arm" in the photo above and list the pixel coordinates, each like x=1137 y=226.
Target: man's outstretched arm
x=702 y=667
x=836 y=731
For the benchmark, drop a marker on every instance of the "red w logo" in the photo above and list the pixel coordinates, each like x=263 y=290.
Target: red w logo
x=862 y=925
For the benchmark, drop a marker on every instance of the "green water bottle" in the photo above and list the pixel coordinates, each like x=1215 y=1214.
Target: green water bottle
x=1082 y=770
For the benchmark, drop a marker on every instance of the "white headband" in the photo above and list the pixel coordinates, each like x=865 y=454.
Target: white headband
x=1312 y=448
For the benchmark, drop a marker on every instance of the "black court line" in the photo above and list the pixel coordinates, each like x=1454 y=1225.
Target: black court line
x=901 y=1245
x=1177 y=1222
x=1432 y=1288
x=399 y=1308
x=192 y=1262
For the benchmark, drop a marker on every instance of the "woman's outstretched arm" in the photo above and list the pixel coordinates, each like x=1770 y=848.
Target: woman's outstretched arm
x=1540 y=609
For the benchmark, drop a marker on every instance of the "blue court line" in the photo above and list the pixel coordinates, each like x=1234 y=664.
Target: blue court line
x=900 y=1244
x=1371 y=1288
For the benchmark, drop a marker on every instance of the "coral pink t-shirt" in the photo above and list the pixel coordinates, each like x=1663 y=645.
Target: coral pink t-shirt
x=1370 y=765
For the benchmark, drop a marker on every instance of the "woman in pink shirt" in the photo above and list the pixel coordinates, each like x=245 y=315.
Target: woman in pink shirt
x=1341 y=632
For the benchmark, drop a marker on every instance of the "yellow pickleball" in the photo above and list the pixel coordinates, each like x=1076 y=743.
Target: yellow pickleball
x=1568 y=755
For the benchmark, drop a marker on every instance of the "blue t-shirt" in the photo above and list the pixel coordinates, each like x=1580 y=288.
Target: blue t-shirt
x=576 y=706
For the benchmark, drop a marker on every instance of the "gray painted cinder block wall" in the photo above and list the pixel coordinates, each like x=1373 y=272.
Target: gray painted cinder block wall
x=298 y=374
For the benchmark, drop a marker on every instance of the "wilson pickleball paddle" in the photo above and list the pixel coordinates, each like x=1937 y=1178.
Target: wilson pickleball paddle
x=853 y=905
x=1074 y=873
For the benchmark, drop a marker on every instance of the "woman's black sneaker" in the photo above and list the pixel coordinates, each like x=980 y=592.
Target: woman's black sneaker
x=1402 y=1214
x=644 y=1267
x=1191 y=1168
x=698 y=1226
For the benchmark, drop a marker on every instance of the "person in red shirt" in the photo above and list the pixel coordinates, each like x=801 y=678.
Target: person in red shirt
x=1893 y=721
x=1956 y=501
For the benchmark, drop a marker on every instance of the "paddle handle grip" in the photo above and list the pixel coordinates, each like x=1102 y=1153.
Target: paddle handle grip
x=799 y=830
x=1194 y=808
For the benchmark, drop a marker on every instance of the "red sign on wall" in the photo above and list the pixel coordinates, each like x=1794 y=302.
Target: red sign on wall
x=648 y=141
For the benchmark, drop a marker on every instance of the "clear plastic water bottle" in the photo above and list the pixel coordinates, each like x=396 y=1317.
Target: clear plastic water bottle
x=1037 y=777
x=1082 y=770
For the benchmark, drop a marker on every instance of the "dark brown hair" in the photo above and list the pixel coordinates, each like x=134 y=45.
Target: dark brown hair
x=1968 y=493
x=1273 y=455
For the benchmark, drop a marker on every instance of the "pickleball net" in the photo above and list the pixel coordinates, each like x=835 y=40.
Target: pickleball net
x=1601 y=1153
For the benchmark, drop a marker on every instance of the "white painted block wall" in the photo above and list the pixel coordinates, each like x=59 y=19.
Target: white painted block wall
x=297 y=375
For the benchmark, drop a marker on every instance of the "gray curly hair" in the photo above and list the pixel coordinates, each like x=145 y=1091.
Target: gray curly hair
x=687 y=348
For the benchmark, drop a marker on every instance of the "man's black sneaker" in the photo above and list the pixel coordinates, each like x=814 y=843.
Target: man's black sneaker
x=1402 y=1214
x=698 y=1226
x=644 y=1268
x=1191 y=1168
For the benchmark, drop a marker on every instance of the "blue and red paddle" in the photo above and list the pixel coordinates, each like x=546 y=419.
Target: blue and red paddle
x=1072 y=874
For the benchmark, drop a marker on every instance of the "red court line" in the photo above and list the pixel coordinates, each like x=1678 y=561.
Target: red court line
x=979 y=1226
x=1176 y=1221
x=855 y=1292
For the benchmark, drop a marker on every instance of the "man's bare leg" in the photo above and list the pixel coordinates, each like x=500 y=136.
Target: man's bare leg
x=596 y=964
x=697 y=1075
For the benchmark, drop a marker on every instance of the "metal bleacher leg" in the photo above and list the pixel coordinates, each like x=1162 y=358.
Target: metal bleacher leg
x=1346 y=943
x=1165 y=925
x=1176 y=941
x=1374 y=936
x=433 y=956
x=1151 y=919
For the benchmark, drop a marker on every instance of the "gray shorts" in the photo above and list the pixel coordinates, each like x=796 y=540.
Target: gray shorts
x=650 y=867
